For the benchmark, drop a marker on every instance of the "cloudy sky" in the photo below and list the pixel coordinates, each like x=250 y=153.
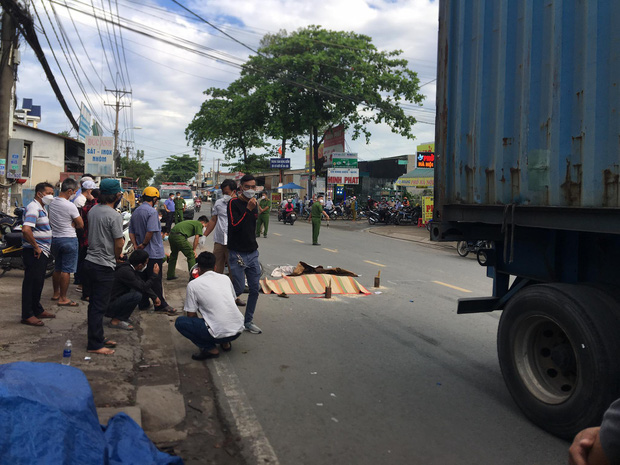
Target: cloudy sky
x=167 y=80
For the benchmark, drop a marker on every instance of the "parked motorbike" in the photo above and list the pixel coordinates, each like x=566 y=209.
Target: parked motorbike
x=388 y=216
x=11 y=244
x=128 y=247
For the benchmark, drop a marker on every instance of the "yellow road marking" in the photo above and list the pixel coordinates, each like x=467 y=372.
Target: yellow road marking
x=276 y=234
x=297 y=240
x=452 y=287
x=375 y=263
x=330 y=250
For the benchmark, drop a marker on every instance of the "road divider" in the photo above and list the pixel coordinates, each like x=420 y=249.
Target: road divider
x=452 y=287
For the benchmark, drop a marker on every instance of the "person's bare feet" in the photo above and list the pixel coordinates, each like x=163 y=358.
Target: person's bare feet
x=102 y=351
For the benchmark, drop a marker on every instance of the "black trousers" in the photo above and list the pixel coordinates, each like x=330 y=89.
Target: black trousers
x=102 y=280
x=157 y=286
x=79 y=273
x=123 y=306
x=169 y=217
x=34 y=279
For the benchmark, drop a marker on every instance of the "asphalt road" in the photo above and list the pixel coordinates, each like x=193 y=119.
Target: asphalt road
x=395 y=377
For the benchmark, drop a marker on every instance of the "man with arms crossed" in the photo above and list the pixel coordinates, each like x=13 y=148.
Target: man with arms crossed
x=36 y=240
x=243 y=248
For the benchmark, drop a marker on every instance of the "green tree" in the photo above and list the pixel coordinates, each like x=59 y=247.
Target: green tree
x=232 y=120
x=313 y=79
x=177 y=168
x=252 y=164
x=137 y=169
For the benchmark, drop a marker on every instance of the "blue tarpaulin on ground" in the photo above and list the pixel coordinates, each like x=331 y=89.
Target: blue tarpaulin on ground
x=48 y=416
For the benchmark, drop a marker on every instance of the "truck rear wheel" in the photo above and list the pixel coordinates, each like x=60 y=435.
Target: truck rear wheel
x=558 y=352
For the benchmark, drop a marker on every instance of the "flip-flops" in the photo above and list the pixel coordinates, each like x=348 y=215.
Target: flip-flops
x=121 y=325
x=109 y=344
x=32 y=323
x=71 y=303
x=46 y=315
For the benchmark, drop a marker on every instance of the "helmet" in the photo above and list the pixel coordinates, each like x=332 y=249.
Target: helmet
x=151 y=191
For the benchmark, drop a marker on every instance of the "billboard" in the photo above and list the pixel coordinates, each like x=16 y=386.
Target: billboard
x=308 y=155
x=425 y=155
x=427 y=209
x=341 y=160
x=99 y=157
x=280 y=163
x=333 y=141
x=85 y=118
x=343 y=176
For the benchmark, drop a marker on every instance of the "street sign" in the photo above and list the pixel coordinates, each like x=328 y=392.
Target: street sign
x=14 y=159
x=343 y=176
x=85 y=117
x=280 y=163
x=98 y=157
x=403 y=162
x=341 y=160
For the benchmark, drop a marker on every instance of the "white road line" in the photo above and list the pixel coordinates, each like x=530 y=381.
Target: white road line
x=297 y=240
x=375 y=263
x=276 y=234
x=331 y=250
x=452 y=287
x=247 y=423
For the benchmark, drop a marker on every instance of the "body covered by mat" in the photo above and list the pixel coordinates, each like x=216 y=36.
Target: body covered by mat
x=313 y=284
x=48 y=416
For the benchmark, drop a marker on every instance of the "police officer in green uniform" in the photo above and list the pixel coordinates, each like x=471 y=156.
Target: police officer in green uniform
x=315 y=215
x=179 y=208
x=178 y=243
x=264 y=207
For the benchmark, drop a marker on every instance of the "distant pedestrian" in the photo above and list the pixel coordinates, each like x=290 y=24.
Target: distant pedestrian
x=179 y=208
x=36 y=241
x=169 y=217
x=145 y=234
x=213 y=296
x=105 y=245
x=264 y=207
x=354 y=208
x=243 y=248
x=64 y=219
x=178 y=243
x=130 y=289
x=219 y=224
x=315 y=215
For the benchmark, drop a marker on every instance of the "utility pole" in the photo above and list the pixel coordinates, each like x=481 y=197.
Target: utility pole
x=310 y=172
x=118 y=105
x=217 y=173
x=7 y=81
x=199 y=177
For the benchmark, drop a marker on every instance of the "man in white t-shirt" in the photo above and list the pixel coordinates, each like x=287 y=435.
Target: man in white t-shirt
x=213 y=296
x=84 y=195
x=64 y=220
x=219 y=223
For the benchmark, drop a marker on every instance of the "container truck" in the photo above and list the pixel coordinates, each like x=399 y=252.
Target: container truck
x=528 y=158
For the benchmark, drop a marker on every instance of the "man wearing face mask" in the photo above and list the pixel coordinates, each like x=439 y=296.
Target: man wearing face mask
x=37 y=241
x=105 y=245
x=129 y=289
x=145 y=234
x=243 y=248
x=179 y=208
x=219 y=224
x=178 y=243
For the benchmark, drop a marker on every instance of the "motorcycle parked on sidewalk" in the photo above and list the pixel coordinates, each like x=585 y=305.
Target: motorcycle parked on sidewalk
x=463 y=248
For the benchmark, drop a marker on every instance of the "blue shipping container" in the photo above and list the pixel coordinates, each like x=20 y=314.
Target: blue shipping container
x=528 y=108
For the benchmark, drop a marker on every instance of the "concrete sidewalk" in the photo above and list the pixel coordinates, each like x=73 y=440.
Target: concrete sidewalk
x=175 y=406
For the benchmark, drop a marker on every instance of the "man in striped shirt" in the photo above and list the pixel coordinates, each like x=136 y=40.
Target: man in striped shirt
x=37 y=241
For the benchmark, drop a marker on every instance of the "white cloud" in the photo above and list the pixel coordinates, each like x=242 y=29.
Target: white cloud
x=168 y=82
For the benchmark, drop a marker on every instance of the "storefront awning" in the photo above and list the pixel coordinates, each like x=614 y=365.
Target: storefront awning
x=419 y=177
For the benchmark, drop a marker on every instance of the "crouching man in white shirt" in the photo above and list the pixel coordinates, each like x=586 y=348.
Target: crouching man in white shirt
x=213 y=296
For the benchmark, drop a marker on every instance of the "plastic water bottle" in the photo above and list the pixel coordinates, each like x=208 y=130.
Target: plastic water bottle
x=66 y=353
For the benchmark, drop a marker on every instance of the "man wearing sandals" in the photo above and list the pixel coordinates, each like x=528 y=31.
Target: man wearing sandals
x=130 y=289
x=105 y=245
x=213 y=296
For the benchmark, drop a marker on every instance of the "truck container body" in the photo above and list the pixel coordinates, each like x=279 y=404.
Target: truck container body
x=528 y=157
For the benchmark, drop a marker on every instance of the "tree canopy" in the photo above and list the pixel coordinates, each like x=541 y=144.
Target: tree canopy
x=137 y=169
x=177 y=168
x=306 y=82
